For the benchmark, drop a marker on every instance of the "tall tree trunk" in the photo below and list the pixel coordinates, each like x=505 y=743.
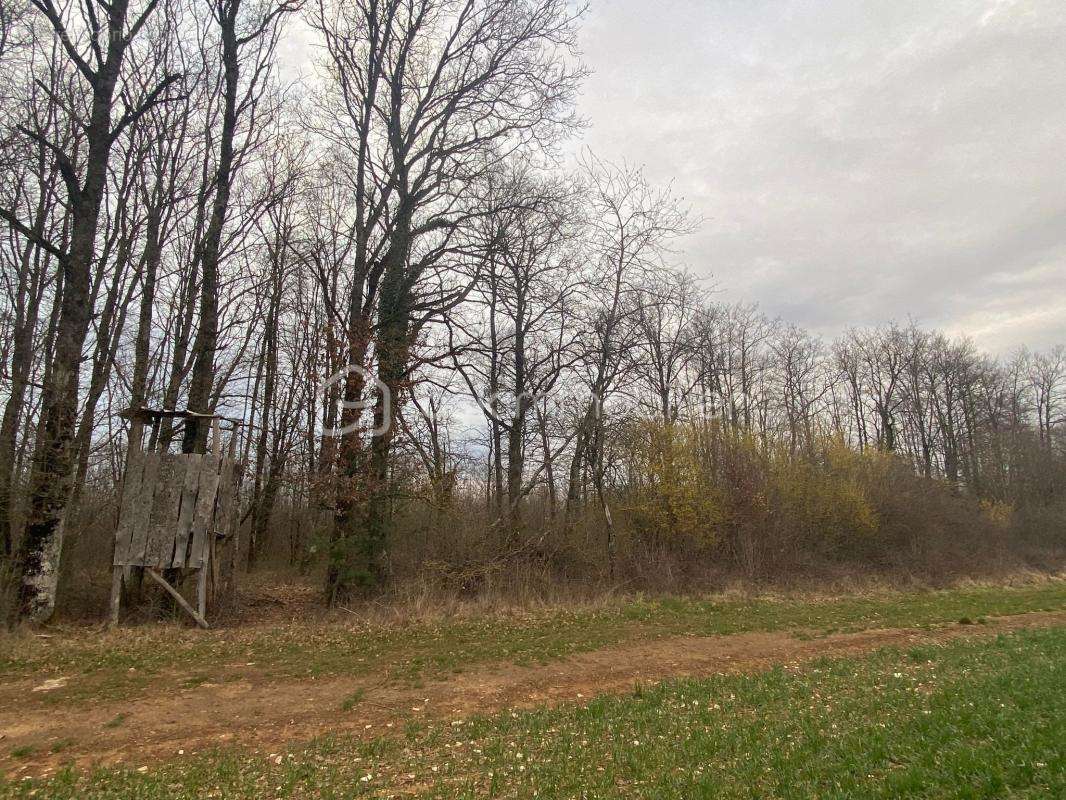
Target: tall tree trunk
x=363 y=515
x=112 y=321
x=348 y=489
x=27 y=304
x=153 y=252
x=394 y=319
x=52 y=473
x=577 y=468
x=261 y=514
x=517 y=429
x=206 y=342
x=549 y=470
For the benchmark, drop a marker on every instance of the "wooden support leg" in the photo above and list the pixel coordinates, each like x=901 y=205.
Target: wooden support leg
x=155 y=576
x=201 y=591
x=116 y=594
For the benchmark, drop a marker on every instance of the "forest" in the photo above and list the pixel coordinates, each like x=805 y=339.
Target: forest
x=457 y=351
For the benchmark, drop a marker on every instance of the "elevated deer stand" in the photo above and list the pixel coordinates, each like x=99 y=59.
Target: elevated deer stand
x=177 y=510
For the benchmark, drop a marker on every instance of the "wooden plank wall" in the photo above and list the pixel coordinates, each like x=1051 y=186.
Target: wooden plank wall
x=131 y=492
x=142 y=510
x=203 y=517
x=164 y=518
x=172 y=504
x=186 y=510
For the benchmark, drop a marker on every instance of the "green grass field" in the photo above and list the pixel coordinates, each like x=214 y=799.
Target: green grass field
x=122 y=663
x=970 y=720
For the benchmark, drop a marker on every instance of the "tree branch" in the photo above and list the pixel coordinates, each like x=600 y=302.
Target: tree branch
x=30 y=234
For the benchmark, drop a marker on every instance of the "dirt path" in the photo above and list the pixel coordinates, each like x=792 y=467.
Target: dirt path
x=270 y=715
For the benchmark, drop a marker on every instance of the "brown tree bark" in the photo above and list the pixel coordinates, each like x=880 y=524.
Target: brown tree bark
x=52 y=472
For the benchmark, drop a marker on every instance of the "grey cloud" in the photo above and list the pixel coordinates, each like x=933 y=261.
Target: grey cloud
x=854 y=162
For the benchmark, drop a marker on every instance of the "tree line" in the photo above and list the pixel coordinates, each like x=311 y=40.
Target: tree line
x=391 y=279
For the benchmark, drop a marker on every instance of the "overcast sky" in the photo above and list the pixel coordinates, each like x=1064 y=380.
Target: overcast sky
x=853 y=162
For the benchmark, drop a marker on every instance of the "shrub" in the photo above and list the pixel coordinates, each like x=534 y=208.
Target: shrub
x=671 y=498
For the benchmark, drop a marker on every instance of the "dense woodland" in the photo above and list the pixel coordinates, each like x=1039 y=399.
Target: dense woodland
x=544 y=396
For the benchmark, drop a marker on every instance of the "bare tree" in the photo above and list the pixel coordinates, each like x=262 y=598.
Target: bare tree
x=435 y=93
x=96 y=39
x=630 y=227
x=1047 y=374
x=526 y=328
x=800 y=383
x=669 y=341
x=277 y=227
x=248 y=34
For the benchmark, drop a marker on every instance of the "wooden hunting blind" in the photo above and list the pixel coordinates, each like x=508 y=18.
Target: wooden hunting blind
x=178 y=511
